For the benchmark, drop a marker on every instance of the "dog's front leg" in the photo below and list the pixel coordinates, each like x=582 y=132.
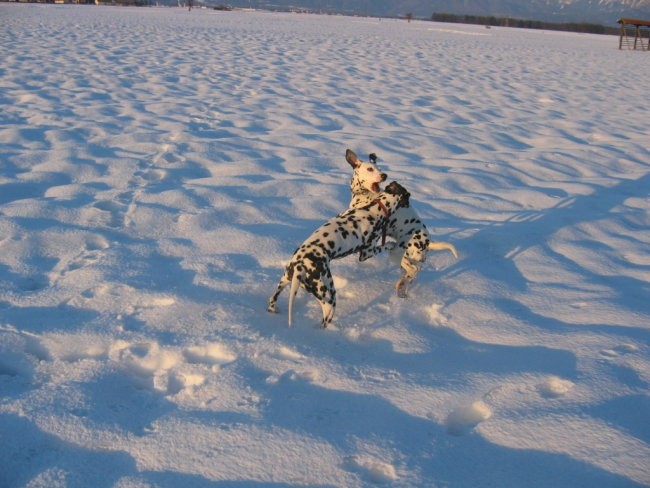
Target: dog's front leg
x=409 y=272
x=326 y=295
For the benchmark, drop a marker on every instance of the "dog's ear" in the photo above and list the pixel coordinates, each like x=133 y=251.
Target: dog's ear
x=352 y=158
x=372 y=157
x=405 y=199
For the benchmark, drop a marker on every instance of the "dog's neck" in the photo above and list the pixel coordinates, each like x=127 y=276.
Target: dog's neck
x=362 y=198
x=382 y=206
x=365 y=192
x=384 y=228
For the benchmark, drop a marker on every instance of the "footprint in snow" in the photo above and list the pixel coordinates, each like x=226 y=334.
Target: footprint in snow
x=287 y=354
x=619 y=350
x=435 y=315
x=110 y=213
x=20 y=352
x=166 y=370
x=90 y=254
x=212 y=354
x=179 y=381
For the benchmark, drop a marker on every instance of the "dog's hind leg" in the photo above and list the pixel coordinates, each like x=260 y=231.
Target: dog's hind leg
x=326 y=295
x=328 y=306
x=273 y=301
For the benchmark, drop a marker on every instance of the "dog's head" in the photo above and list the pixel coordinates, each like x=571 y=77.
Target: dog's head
x=394 y=188
x=366 y=176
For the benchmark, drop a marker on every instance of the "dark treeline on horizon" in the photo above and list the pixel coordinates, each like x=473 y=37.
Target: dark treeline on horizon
x=487 y=20
x=524 y=24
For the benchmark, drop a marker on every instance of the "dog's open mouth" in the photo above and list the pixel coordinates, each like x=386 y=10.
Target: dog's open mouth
x=376 y=188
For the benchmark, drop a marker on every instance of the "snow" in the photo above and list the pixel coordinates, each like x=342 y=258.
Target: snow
x=157 y=169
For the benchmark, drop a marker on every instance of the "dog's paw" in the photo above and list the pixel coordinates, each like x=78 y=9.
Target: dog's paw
x=401 y=288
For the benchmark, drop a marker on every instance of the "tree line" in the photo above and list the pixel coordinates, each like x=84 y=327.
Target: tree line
x=583 y=27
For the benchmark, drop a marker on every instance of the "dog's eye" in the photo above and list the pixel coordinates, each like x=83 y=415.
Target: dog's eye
x=370 y=170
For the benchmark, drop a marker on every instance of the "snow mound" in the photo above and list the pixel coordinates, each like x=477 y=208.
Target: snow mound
x=555 y=387
x=463 y=419
x=375 y=471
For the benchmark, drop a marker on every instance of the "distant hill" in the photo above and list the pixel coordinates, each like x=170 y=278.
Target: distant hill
x=604 y=12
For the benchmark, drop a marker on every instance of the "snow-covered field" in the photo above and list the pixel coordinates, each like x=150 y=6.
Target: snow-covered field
x=157 y=169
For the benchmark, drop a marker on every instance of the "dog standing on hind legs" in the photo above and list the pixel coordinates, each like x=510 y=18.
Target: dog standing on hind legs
x=361 y=230
x=405 y=226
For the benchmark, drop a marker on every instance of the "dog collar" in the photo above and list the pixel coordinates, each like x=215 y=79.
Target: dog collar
x=384 y=229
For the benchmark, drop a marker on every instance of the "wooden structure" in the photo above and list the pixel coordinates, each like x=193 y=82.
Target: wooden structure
x=635 y=34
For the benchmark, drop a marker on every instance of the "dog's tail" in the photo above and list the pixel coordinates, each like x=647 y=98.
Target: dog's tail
x=441 y=246
x=295 y=283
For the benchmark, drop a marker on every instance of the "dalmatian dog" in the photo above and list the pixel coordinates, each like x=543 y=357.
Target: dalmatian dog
x=361 y=230
x=366 y=179
x=405 y=225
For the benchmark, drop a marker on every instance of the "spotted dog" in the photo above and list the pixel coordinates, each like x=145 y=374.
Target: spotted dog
x=405 y=225
x=361 y=230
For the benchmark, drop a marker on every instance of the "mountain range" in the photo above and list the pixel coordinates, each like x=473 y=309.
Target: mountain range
x=604 y=12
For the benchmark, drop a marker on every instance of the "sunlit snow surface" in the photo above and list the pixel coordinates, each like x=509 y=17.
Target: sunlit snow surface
x=157 y=169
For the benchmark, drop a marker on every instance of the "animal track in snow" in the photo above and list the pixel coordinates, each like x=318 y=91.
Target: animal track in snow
x=178 y=381
x=308 y=375
x=120 y=211
x=147 y=363
x=71 y=348
x=287 y=353
x=16 y=349
x=96 y=242
x=211 y=354
x=164 y=369
x=153 y=175
x=434 y=314
x=150 y=366
x=619 y=350
x=115 y=211
x=89 y=255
